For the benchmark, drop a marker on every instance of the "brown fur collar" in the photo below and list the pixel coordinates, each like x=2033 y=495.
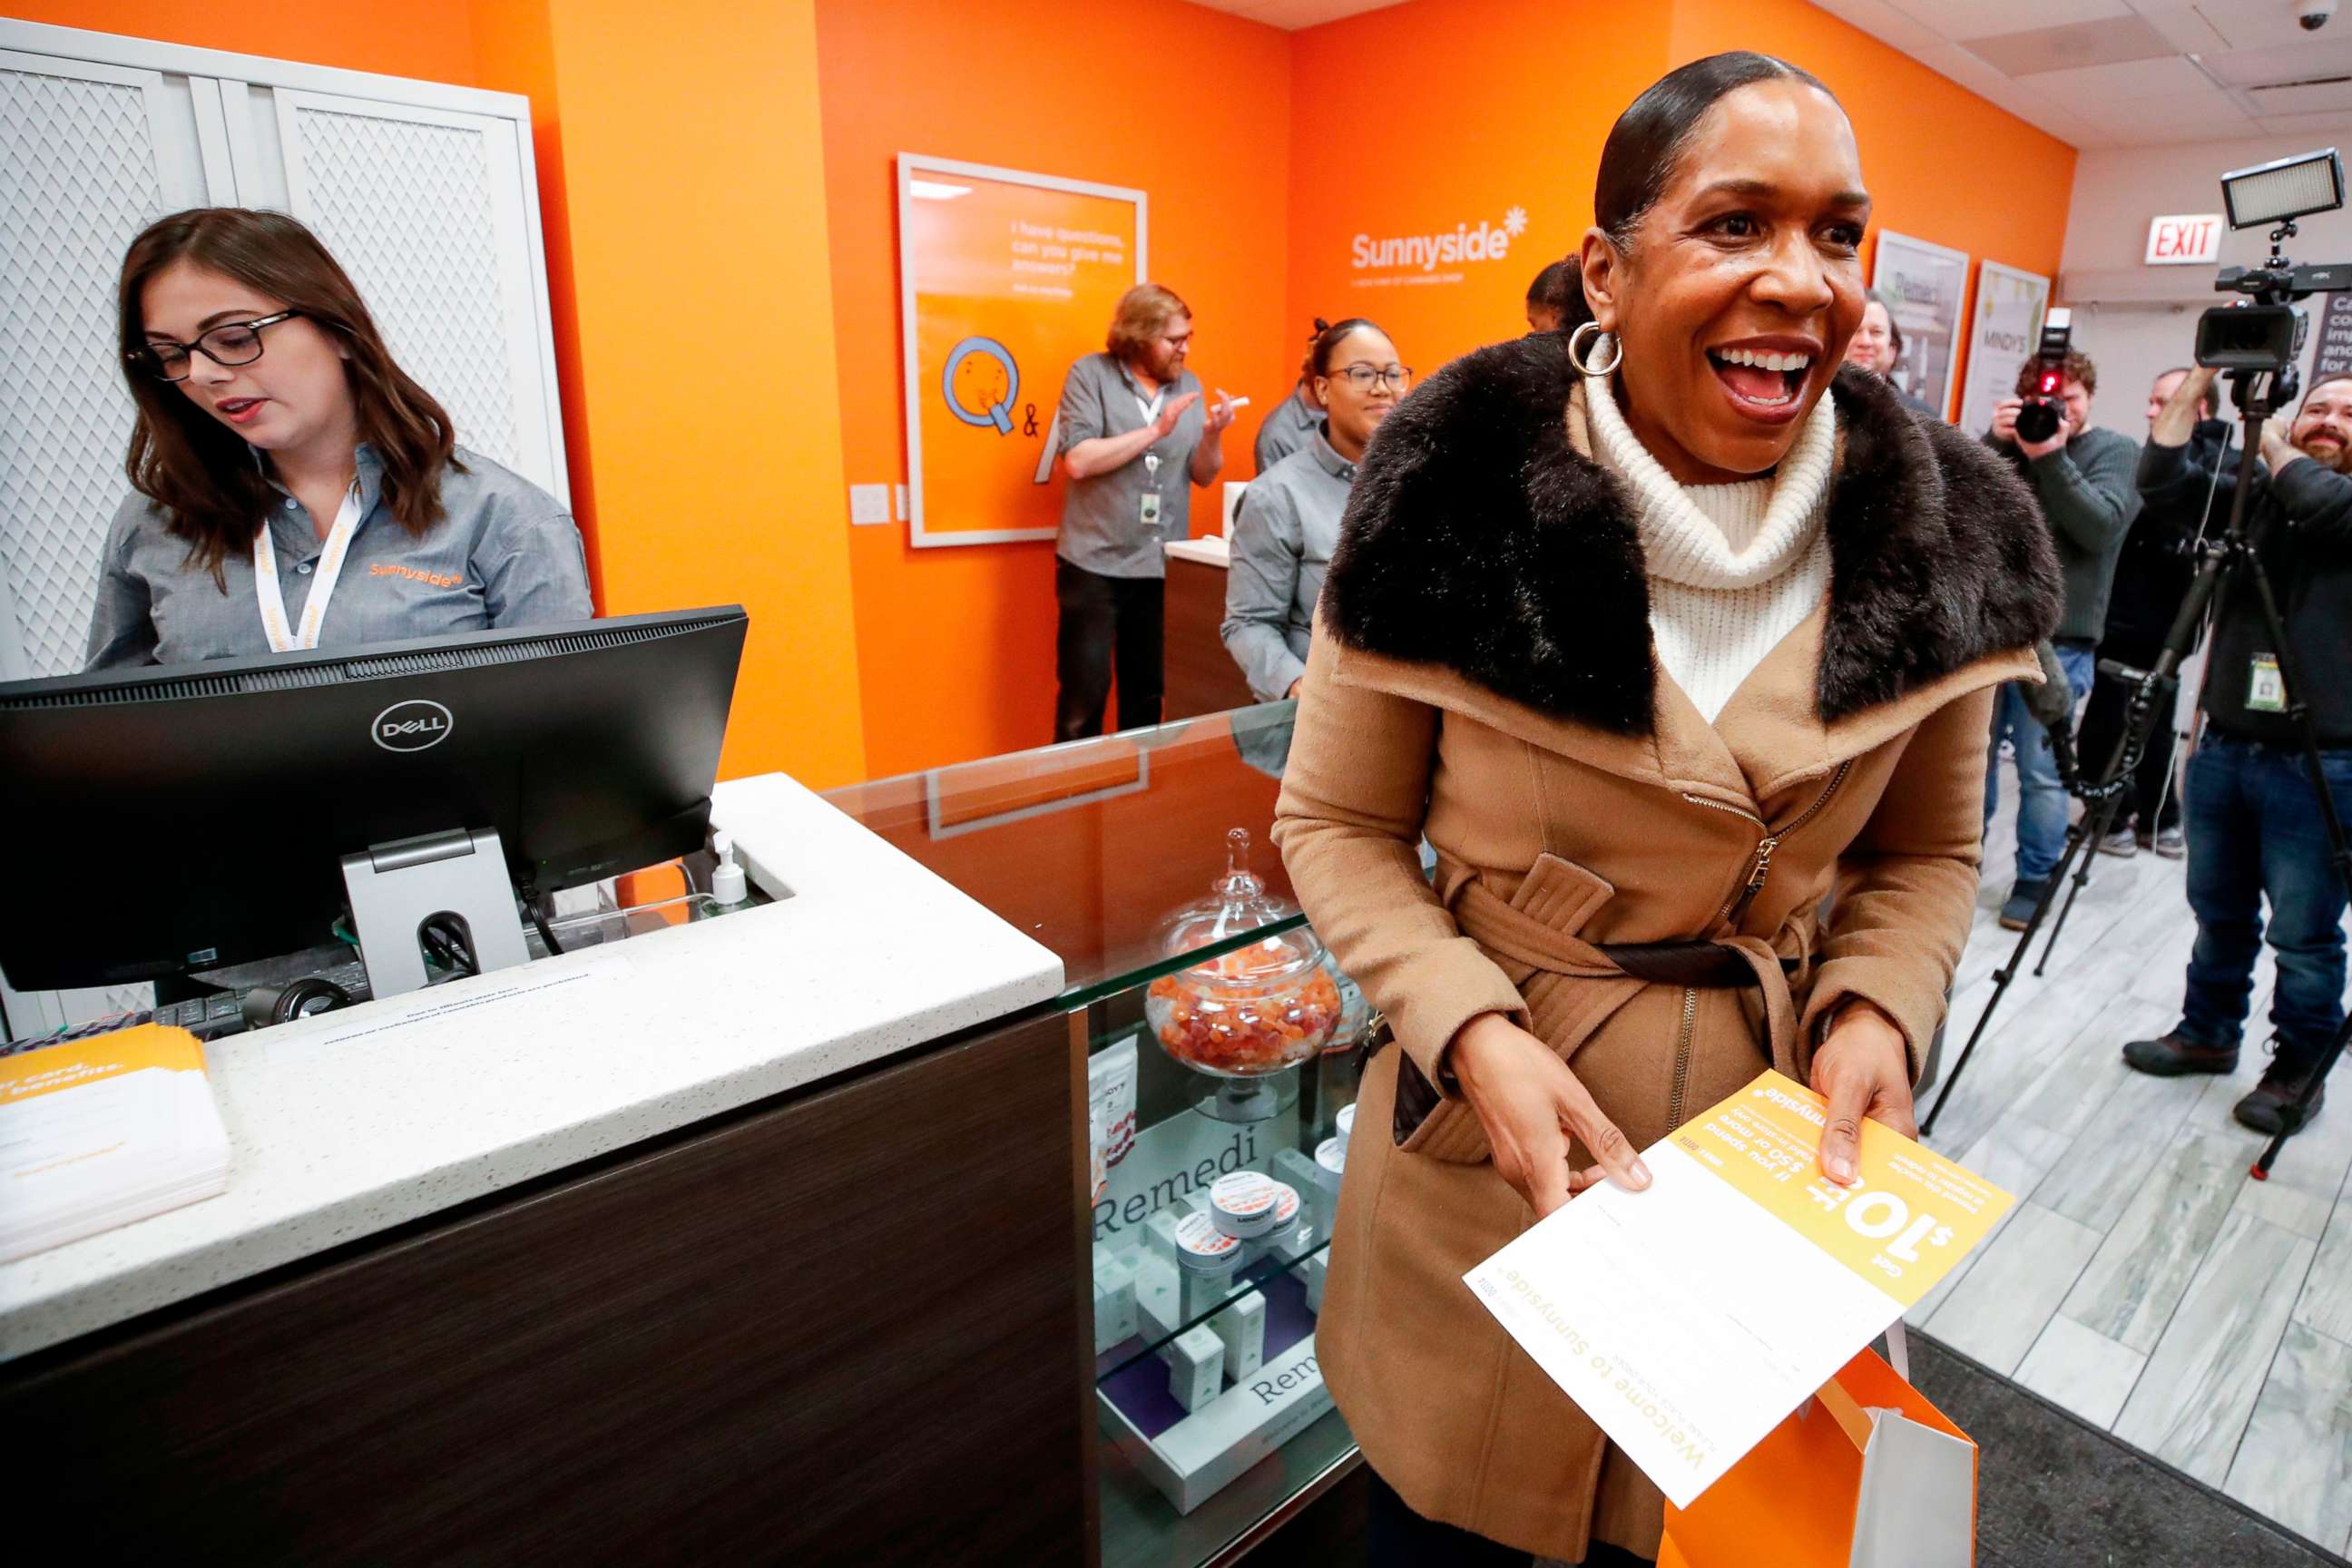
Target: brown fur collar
x=1479 y=539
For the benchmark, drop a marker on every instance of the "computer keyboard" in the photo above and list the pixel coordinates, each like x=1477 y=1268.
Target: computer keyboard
x=208 y=1017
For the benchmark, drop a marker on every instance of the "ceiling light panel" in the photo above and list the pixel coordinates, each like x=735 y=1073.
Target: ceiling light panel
x=2074 y=46
x=1989 y=18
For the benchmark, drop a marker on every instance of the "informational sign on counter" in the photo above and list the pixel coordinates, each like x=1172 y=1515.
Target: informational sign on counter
x=1737 y=1283
x=1005 y=280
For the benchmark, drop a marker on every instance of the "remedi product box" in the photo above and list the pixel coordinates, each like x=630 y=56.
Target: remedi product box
x=1193 y=1458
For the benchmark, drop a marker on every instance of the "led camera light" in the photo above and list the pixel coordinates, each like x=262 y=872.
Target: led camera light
x=2283 y=189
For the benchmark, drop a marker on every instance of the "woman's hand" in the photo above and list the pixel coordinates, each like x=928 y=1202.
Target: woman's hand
x=1528 y=1102
x=1862 y=1069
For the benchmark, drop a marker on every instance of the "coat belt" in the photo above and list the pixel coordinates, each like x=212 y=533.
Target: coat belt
x=1737 y=962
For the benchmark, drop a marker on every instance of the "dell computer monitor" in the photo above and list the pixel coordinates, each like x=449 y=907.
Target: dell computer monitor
x=173 y=819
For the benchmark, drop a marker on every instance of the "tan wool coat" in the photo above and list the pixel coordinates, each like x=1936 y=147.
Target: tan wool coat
x=1482 y=673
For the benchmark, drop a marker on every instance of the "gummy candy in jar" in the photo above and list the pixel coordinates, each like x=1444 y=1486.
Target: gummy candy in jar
x=1266 y=1006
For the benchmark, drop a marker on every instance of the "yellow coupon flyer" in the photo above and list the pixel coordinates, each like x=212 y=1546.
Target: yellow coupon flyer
x=1688 y=1318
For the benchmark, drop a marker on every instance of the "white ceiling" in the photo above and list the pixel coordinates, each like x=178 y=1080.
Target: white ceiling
x=2095 y=73
x=2129 y=73
x=1293 y=14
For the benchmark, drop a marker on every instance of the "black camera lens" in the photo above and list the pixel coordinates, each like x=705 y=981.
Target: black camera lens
x=2038 y=420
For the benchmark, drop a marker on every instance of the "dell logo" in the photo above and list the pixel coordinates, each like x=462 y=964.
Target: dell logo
x=411 y=726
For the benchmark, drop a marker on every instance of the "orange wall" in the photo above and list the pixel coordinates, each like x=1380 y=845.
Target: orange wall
x=433 y=42
x=1492 y=104
x=1521 y=96
x=955 y=645
x=702 y=294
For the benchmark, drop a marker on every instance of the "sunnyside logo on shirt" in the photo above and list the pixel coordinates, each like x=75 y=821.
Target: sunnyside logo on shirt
x=432 y=579
x=1424 y=254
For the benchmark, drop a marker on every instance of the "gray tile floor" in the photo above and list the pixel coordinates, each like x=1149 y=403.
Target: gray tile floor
x=2142 y=1280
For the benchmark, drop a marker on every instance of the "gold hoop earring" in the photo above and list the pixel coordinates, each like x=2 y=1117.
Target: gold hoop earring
x=1576 y=350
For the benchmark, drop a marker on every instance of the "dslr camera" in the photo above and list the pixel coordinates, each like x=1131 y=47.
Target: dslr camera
x=2045 y=410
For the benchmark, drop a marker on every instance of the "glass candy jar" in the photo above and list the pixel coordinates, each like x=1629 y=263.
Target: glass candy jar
x=1257 y=1010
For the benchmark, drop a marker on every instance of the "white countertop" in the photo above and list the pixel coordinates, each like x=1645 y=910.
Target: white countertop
x=1210 y=551
x=352 y=1122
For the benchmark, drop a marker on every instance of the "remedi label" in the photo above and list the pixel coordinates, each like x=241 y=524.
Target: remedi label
x=1393 y=260
x=1689 y=1319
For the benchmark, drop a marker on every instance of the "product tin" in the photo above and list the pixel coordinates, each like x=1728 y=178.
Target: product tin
x=1285 y=1210
x=1242 y=1204
x=1332 y=1155
x=1203 y=1249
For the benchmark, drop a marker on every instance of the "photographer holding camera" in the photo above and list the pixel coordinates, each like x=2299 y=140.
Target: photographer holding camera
x=2254 y=826
x=2083 y=478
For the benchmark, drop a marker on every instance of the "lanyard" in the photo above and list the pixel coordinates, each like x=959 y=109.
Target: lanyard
x=1150 y=414
x=330 y=567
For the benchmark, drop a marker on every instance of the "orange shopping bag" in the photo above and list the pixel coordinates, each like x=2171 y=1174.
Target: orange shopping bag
x=1866 y=1475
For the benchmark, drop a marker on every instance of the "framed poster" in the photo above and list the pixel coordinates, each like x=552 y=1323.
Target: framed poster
x=1925 y=285
x=2004 y=328
x=1004 y=280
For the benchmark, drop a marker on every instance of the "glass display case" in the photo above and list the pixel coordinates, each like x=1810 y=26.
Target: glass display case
x=1221 y=1054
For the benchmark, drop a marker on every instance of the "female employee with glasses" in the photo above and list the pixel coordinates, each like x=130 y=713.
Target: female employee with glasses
x=1289 y=517
x=294 y=486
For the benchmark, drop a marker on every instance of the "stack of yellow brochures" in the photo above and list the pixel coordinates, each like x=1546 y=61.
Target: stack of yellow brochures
x=102 y=1132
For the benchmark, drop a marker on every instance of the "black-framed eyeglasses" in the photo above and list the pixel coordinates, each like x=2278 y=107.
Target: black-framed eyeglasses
x=230 y=344
x=1364 y=377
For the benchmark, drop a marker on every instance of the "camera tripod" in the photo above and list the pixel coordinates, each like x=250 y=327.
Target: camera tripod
x=2258 y=393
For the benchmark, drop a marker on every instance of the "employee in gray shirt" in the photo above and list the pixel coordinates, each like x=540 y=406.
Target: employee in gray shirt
x=1135 y=436
x=1289 y=517
x=1294 y=419
x=295 y=488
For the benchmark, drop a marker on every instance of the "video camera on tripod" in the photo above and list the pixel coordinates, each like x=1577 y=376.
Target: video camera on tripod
x=2261 y=334
x=2255 y=339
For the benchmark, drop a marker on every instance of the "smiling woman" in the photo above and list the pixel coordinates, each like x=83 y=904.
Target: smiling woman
x=278 y=445
x=1657 y=630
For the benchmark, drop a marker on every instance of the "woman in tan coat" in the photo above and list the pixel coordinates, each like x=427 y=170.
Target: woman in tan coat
x=1660 y=632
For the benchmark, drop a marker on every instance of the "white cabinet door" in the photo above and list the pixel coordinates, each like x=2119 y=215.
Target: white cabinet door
x=426 y=209
x=90 y=154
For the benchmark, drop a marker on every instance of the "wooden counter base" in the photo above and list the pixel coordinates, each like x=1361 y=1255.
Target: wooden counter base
x=838 y=1326
x=1201 y=676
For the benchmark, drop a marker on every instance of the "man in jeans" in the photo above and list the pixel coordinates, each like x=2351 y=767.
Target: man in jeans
x=2254 y=826
x=2083 y=478
x=1136 y=440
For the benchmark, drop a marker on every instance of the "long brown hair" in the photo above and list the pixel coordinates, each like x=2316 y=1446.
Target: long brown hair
x=203 y=477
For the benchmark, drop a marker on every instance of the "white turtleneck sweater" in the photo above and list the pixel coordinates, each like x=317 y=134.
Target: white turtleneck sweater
x=1733 y=568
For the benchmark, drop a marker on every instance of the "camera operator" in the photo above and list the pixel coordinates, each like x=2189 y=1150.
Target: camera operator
x=2083 y=478
x=2254 y=825
x=2152 y=576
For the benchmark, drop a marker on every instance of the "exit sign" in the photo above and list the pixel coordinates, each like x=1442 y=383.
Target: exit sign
x=2185 y=239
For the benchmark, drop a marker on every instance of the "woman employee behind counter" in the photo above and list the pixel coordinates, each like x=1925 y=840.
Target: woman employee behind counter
x=295 y=488
x=1289 y=517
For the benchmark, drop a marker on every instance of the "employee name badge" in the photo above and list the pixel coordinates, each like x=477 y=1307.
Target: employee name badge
x=2265 y=687
x=1149 y=504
